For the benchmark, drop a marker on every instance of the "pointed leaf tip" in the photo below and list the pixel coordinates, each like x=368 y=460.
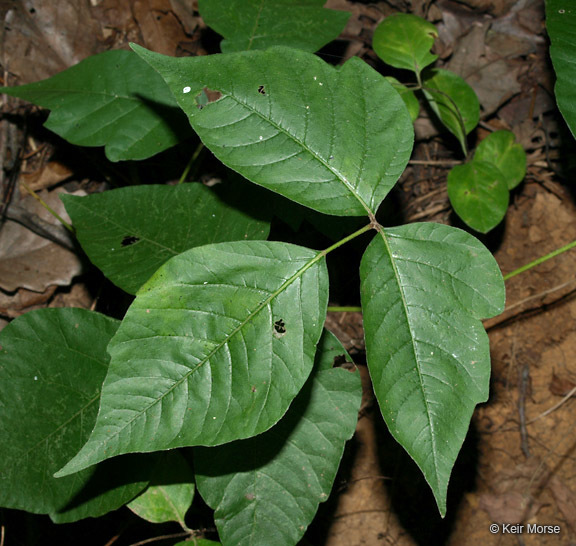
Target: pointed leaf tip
x=333 y=139
x=223 y=336
x=424 y=289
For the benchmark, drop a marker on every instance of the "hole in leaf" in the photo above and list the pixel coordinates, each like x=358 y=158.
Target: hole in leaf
x=206 y=97
x=129 y=240
x=261 y=90
x=279 y=328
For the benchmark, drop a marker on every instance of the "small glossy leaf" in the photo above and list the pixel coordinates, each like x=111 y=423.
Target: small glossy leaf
x=259 y=24
x=561 y=26
x=112 y=99
x=404 y=41
x=214 y=348
x=479 y=194
x=453 y=101
x=266 y=490
x=170 y=492
x=52 y=364
x=116 y=231
x=408 y=97
x=334 y=140
x=424 y=289
x=500 y=149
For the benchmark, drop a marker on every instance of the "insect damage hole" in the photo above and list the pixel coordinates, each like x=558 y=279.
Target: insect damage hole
x=129 y=240
x=279 y=328
x=261 y=90
x=206 y=97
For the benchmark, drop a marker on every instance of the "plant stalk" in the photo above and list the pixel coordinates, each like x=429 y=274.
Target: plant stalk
x=540 y=260
x=47 y=207
x=193 y=159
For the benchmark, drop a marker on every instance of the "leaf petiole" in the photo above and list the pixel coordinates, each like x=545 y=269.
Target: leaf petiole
x=540 y=260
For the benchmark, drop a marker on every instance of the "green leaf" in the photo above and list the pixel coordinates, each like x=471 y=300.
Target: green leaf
x=214 y=348
x=479 y=194
x=404 y=41
x=334 y=140
x=266 y=490
x=112 y=99
x=500 y=149
x=561 y=26
x=453 y=101
x=52 y=364
x=408 y=97
x=260 y=24
x=424 y=289
x=170 y=492
x=115 y=230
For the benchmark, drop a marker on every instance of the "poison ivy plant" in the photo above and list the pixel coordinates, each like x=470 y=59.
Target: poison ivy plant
x=477 y=190
x=453 y=101
x=266 y=490
x=53 y=362
x=259 y=306
x=113 y=100
x=223 y=348
x=500 y=150
x=298 y=133
x=259 y=24
x=561 y=26
x=115 y=231
x=170 y=492
x=425 y=288
x=404 y=41
x=479 y=195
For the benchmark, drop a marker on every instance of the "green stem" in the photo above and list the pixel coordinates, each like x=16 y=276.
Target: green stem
x=47 y=207
x=540 y=260
x=362 y=230
x=350 y=309
x=193 y=159
x=341 y=242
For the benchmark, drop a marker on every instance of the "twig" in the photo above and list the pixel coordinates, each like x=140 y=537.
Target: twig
x=524 y=377
x=47 y=206
x=540 y=260
x=507 y=315
x=429 y=212
x=554 y=407
x=53 y=232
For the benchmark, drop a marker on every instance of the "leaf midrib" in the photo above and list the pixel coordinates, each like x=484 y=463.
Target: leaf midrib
x=414 y=351
x=306 y=148
x=227 y=338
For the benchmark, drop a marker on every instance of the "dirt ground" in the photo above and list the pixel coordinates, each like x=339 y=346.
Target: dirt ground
x=517 y=465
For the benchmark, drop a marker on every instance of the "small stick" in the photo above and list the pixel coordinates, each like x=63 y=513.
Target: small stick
x=524 y=377
x=554 y=407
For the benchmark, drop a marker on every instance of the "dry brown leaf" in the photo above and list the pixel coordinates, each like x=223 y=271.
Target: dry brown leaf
x=47 y=36
x=30 y=261
x=49 y=175
x=159 y=25
x=561 y=386
x=22 y=301
x=494 y=79
x=565 y=500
